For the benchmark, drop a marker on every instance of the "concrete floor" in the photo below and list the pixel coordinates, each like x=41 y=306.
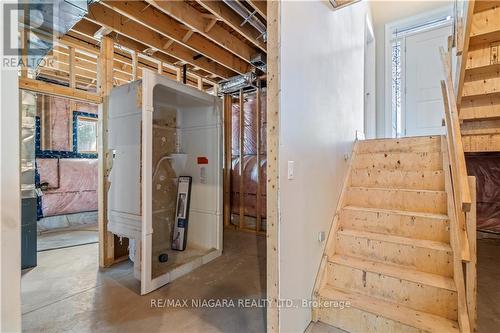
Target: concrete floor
x=488 y=285
x=67 y=293
x=81 y=235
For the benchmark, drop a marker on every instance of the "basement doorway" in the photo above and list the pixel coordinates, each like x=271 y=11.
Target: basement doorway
x=413 y=74
x=59 y=177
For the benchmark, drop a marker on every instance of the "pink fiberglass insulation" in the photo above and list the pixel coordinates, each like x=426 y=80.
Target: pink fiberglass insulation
x=249 y=152
x=57 y=121
x=250 y=125
x=249 y=185
x=48 y=168
x=85 y=107
x=60 y=122
x=486 y=169
x=77 y=191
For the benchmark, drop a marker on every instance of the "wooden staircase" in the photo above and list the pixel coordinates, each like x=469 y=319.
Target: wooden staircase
x=389 y=251
x=478 y=86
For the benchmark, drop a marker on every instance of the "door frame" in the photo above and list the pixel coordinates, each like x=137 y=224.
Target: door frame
x=390 y=28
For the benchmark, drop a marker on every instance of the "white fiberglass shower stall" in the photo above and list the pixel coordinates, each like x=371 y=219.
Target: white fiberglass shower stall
x=159 y=130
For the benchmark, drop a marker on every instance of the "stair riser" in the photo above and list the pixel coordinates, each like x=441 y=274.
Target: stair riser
x=417 y=296
x=416 y=201
x=355 y=320
x=420 y=144
x=395 y=224
x=417 y=180
x=399 y=161
x=422 y=259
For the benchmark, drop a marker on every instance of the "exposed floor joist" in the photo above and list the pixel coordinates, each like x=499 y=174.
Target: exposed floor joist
x=86 y=29
x=207 y=27
x=233 y=20
x=163 y=24
x=131 y=29
x=260 y=6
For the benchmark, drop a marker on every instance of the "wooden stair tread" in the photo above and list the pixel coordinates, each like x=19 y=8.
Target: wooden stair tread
x=395 y=189
x=395 y=271
x=421 y=320
x=483 y=5
x=398 y=212
x=484 y=37
x=471 y=97
x=481 y=70
x=421 y=243
x=407 y=144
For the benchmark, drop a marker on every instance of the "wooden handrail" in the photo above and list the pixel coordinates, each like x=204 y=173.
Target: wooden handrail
x=463 y=24
x=457 y=158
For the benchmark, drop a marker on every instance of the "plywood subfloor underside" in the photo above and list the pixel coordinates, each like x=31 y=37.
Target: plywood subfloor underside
x=67 y=292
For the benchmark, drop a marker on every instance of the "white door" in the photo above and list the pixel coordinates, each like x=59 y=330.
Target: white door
x=423 y=72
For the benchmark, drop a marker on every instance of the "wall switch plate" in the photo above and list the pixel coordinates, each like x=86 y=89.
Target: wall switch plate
x=321 y=236
x=290 y=170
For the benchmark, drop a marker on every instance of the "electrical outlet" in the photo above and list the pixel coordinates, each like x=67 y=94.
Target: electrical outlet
x=290 y=170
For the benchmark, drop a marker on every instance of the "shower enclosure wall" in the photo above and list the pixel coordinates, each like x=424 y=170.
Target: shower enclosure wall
x=160 y=129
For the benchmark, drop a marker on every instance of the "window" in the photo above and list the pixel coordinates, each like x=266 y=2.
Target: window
x=86 y=131
x=396 y=88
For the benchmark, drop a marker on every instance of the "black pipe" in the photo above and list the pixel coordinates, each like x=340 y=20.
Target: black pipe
x=184 y=73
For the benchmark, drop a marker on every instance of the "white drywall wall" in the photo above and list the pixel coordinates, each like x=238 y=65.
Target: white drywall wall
x=10 y=198
x=384 y=12
x=322 y=75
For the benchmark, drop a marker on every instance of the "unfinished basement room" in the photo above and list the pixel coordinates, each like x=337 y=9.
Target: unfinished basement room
x=250 y=166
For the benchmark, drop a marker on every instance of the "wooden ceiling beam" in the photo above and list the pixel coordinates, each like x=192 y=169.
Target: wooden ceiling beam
x=163 y=24
x=207 y=27
x=122 y=25
x=260 y=6
x=228 y=16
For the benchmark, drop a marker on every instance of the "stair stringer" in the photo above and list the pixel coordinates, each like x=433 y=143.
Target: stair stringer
x=330 y=242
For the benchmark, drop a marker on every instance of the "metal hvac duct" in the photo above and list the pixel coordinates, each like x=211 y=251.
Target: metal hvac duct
x=234 y=84
x=46 y=21
x=248 y=16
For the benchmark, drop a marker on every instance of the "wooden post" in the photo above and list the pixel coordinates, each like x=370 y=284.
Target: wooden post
x=200 y=83
x=178 y=74
x=241 y=169
x=24 y=53
x=258 y=143
x=105 y=84
x=160 y=68
x=273 y=125
x=72 y=85
x=228 y=106
x=135 y=64
x=72 y=74
x=470 y=268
